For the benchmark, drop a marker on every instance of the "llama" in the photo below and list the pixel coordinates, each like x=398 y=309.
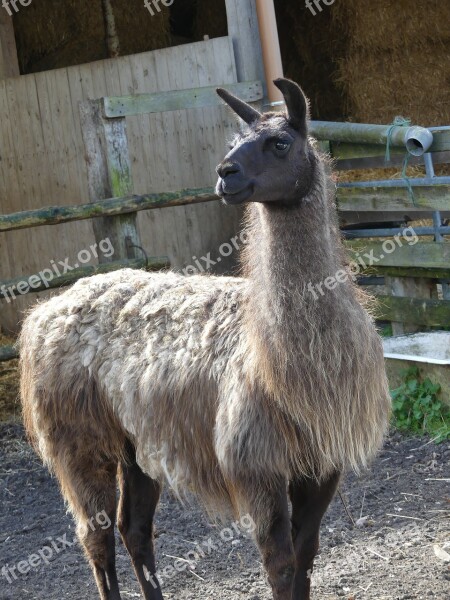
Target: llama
x=248 y=392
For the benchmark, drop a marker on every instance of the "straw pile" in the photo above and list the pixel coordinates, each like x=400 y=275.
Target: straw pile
x=309 y=45
x=210 y=19
x=52 y=34
x=397 y=60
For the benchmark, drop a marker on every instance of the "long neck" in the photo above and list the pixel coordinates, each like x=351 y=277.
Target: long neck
x=291 y=252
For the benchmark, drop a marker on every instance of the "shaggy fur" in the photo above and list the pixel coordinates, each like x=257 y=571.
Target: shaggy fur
x=214 y=380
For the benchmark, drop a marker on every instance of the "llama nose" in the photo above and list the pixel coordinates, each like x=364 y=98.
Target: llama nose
x=227 y=168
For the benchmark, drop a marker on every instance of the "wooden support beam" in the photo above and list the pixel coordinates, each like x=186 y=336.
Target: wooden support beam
x=243 y=29
x=109 y=176
x=55 y=215
x=126 y=106
x=9 y=64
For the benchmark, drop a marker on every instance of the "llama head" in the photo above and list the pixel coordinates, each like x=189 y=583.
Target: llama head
x=271 y=160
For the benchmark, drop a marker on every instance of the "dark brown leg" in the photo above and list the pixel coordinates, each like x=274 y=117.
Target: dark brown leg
x=139 y=495
x=270 y=513
x=310 y=501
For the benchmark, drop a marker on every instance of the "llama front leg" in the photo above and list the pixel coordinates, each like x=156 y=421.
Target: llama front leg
x=267 y=505
x=139 y=496
x=310 y=501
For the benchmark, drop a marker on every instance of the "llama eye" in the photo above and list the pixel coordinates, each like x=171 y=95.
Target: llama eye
x=282 y=146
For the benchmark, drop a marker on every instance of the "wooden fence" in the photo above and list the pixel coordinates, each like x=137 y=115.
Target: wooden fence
x=114 y=207
x=109 y=177
x=42 y=157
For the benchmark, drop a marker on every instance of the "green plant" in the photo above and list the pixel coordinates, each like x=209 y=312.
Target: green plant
x=385 y=330
x=417 y=407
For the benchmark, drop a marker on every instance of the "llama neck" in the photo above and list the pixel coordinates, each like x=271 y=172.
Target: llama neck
x=291 y=251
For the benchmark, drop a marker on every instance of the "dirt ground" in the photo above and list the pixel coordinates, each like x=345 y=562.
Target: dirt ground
x=397 y=550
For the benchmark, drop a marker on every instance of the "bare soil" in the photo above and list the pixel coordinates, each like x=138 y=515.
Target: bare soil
x=397 y=550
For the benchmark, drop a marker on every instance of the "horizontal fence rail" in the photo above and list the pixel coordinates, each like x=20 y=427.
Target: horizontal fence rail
x=55 y=215
x=348 y=198
x=352 y=145
x=421 y=254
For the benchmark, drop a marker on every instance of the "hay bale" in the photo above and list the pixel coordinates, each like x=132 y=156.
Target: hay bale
x=387 y=24
x=309 y=45
x=52 y=34
x=138 y=30
x=413 y=83
x=210 y=19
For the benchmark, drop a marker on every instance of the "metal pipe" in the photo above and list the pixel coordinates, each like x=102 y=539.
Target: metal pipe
x=401 y=183
x=270 y=43
x=429 y=166
x=417 y=140
x=437 y=218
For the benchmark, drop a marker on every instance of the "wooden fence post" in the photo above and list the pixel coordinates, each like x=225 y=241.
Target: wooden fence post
x=243 y=29
x=109 y=176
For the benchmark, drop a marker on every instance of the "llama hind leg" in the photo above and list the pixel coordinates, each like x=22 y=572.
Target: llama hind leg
x=88 y=483
x=310 y=501
x=139 y=496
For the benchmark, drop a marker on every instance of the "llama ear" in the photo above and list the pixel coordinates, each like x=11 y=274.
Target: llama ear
x=297 y=104
x=241 y=108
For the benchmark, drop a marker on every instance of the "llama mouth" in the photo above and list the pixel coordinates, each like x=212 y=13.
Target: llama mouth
x=234 y=197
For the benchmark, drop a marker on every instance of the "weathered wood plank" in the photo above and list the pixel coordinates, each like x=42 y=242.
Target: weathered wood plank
x=428 y=273
x=389 y=254
x=433 y=197
x=202 y=97
x=55 y=215
x=441 y=141
x=9 y=64
x=415 y=311
x=410 y=287
x=9 y=289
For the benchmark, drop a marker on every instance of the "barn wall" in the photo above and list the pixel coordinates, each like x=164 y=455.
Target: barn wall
x=42 y=161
